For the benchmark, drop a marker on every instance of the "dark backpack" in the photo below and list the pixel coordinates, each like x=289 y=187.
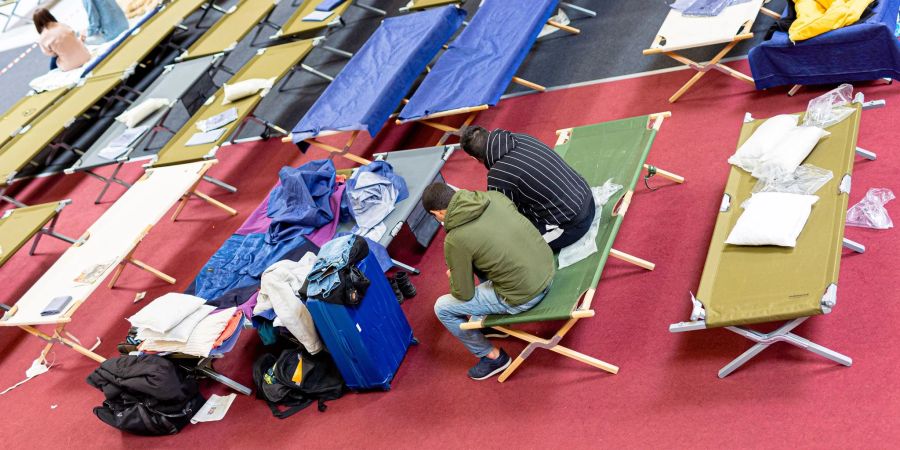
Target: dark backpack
x=274 y=379
x=146 y=395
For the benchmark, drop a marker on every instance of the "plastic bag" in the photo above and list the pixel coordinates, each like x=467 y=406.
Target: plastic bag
x=587 y=245
x=830 y=108
x=807 y=179
x=870 y=212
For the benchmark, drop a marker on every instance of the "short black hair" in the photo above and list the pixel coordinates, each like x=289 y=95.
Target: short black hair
x=474 y=141
x=437 y=197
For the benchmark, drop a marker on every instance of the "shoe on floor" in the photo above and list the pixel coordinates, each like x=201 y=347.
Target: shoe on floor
x=487 y=367
x=492 y=333
x=405 y=284
x=397 y=292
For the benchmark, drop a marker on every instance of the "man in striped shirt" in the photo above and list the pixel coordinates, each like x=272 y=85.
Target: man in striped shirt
x=546 y=190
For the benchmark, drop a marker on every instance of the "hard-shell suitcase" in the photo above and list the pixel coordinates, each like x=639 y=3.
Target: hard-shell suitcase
x=368 y=341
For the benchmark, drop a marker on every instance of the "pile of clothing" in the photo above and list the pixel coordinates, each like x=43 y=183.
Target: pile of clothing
x=179 y=323
x=703 y=8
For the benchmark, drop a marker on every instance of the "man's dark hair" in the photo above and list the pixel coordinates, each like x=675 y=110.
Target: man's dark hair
x=474 y=141
x=437 y=197
x=41 y=18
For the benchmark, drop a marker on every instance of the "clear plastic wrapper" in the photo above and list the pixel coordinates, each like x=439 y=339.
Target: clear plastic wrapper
x=807 y=179
x=587 y=245
x=830 y=108
x=870 y=212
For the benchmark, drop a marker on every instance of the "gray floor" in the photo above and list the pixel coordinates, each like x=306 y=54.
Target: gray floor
x=609 y=45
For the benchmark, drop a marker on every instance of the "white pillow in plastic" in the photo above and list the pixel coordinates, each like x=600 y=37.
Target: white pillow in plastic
x=246 y=88
x=772 y=218
x=763 y=140
x=166 y=312
x=137 y=114
x=789 y=153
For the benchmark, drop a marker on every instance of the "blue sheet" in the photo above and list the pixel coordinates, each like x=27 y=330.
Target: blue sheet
x=372 y=84
x=481 y=62
x=328 y=5
x=863 y=51
x=122 y=38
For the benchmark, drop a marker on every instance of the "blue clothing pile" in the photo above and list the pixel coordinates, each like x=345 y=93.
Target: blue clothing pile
x=300 y=205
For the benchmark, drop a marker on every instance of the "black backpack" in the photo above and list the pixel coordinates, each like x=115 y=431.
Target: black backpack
x=146 y=395
x=319 y=380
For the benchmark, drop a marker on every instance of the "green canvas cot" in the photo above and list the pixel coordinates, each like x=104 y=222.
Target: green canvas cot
x=272 y=62
x=146 y=38
x=24 y=111
x=237 y=21
x=295 y=26
x=617 y=151
x=744 y=285
x=19 y=225
x=42 y=130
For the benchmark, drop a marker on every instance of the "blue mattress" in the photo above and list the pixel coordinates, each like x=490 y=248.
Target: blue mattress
x=122 y=38
x=372 y=84
x=481 y=62
x=863 y=51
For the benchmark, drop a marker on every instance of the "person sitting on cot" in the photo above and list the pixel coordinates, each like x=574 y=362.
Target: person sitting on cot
x=546 y=190
x=487 y=235
x=58 y=41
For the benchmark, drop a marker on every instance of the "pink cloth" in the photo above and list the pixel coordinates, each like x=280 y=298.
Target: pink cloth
x=258 y=222
x=325 y=233
x=60 y=41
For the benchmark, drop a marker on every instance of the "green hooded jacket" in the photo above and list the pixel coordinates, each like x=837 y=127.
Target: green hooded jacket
x=486 y=232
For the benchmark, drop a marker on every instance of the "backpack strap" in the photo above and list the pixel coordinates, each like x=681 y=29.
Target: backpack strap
x=290 y=411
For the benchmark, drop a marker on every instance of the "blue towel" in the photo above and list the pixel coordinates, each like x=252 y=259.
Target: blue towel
x=301 y=204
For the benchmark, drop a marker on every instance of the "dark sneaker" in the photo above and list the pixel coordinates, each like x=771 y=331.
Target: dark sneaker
x=487 y=367
x=397 y=292
x=405 y=284
x=492 y=333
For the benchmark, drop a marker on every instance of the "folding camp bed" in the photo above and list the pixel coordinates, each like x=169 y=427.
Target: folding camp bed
x=8 y=11
x=24 y=111
x=41 y=132
x=106 y=248
x=237 y=21
x=112 y=48
x=419 y=168
x=730 y=27
x=145 y=38
x=271 y=62
x=415 y=5
x=866 y=50
x=177 y=83
x=616 y=151
x=18 y=226
x=369 y=88
x=481 y=62
x=744 y=285
x=295 y=26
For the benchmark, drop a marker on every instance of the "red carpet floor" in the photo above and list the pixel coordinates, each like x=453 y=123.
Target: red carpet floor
x=666 y=394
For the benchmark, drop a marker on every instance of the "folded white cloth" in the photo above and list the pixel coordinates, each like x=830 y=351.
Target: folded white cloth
x=162 y=314
x=182 y=331
x=202 y=339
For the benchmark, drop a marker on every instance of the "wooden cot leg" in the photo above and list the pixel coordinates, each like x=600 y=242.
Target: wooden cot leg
x=65 y=341
x=794 y=90
x=565 y=28
x=155 y=272
x=448 y=131
x=666 y=174
x=697 y=76
x=528 y=84
x=181 y=205
x=116 y=274
x=702 y=68
x=215 y=203
x=512 y=368
x=631 y=259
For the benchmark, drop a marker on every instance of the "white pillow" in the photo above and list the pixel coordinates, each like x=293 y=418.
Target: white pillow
x=772 y=218
x=137 y=114
x=789 y=153
x=246 y=88
x=763 y=140
x=165 y=312
x=182 y=331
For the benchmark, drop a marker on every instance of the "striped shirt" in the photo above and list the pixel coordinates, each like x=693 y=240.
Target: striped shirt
x=544 y=188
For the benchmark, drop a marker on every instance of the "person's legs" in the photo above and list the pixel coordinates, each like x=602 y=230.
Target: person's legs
x=93 y=16
x=453 y=312
x=573 y=233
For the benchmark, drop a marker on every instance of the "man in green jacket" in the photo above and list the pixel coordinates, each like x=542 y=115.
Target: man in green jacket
x=487 y=236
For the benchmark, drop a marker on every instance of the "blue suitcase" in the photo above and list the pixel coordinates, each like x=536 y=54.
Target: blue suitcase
x=368 y=341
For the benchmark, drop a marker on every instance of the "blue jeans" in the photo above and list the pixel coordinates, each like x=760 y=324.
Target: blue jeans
x=453 y=312
x=105 y=18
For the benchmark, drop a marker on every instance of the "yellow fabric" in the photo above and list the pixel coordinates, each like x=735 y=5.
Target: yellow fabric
x=815 y=17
